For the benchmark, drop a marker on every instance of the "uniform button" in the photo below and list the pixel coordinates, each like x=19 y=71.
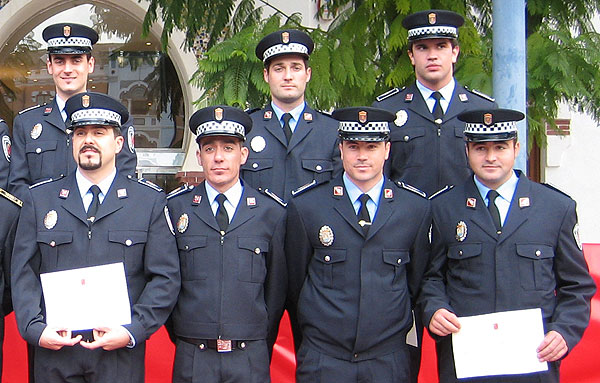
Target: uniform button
x=327 y=258
x=38 y=150
x=201 y=346
x=254 y=165
x=257 y=251
x=52 y=243
x=460 y=252
x=399 y=261
x=355 y=356
x=538 y=253
x=406 y=138
x=128 y=242
x=187 y=247
x=319 y=168
x=243 y=345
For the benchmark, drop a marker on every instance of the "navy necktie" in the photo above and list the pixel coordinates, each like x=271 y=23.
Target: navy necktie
x=93 y=208
x=364 y=219
x=286 y=126
x=493 y=209
x=438 y=112
x=222 y=216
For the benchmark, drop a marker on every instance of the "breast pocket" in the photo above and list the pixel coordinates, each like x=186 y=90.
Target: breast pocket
x=458 y=156
x=41 y=157
x=536 y=263
x=258 y=172
x=50 y=242
x=395 y=269
x=130 y=244
x=192 y=258
x=327 y=268
x=251 y=261
x=408 y=147
x=319 y=169
x=464 y=260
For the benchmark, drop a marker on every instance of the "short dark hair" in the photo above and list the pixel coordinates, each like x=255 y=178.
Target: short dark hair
x=453 y=42
x=88 y=55
x=267 y=63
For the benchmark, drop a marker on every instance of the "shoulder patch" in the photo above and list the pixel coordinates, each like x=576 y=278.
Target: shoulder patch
x=304 y=188
x=482 y=95
x=441 y=191
x=185 y=188
x=251 y=110
x=388 y=94
x=145 y=182
x=30 y=108
x=44 y=182
x=411 y=188
x=552 y=187
x=269 y=193
x=11 y=197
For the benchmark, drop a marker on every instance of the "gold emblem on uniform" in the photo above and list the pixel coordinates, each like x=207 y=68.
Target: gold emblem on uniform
x=36 y=131
x=362 y=116
x=258 y=144
x=219 y=114
x=67 y=30
x=326 y=235
x=523 y=202
x=308 y=116
x=182 y=223
x=85 y=101
x=388 y=193
x=463 y=97
x=471 y=202
x=268 y=114
x=401 y=118
x=461 y=231
x=50 y=219
x=432 y=18
x=285 y=37
x=487 y=119
x=338 y=190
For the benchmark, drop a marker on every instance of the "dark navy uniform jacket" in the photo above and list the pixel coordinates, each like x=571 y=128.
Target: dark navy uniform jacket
x=424 y=154
x=312 y=155
x=4 y=155
x=353 y=293
x=131 y=226
x=535 y=262
x=233 y=286
x=44 y=151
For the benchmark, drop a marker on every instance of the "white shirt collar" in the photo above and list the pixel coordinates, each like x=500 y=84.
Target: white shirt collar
x=233 y=194
x=446 y=92
x=506 y=190
x=296 y=112
x=84 y=184
x=354 y=192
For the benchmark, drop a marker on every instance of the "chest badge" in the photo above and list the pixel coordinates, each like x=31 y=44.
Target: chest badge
x=36 y=131
x=258 y=144
x=182 y=223
x=50 y=219
x=472 y=202
x=401 y=118
x=461 y=231
x=326 y=235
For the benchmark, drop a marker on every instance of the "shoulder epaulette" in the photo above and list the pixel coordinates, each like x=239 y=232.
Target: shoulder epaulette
x=180 y=190
x=30 y=108
x=269 y=193
x=552 y=187
x=45 y=182
x=11 y=198
x=304 y=188
x=251 y=110
x=145 y=182
x=388 y=94
x=441 y=191
x=482 y=95
x=411 y=188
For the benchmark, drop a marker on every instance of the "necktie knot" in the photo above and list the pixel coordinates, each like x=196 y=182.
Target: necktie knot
x=438 y=112
x=287 y=129
x=222 y=216
x=437 y=96
x=364 y=219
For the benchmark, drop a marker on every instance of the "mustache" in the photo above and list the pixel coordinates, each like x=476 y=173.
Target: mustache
x=86 y=147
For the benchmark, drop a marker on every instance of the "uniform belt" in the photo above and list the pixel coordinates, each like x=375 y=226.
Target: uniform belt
x=221 y=345
x=86 y=335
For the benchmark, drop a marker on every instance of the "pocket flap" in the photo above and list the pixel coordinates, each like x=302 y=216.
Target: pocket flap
x=254 y=244
x=535 y=251
x=329 y=256
x=128 y=237
x=318 y=166
x=191 y=242
x=408 y=134
x=464 y=251
x=53 y=238
x=40 y=146
x=258 y=164
x=396 y=257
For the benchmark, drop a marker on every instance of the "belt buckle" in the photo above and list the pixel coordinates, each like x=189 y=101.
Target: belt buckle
x=224 y=345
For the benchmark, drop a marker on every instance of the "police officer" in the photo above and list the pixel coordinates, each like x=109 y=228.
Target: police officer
x=427 y=139
x=42 y=144
x=501 y=243
x=356 y=250
x=5 y=156
x=292 y=147
x=94 y=216
x=230 y=240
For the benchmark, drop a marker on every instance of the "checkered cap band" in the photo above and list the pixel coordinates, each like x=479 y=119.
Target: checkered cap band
x=369 y=127
x=285 y=48
x=225 y=127
x=500 y=127
x=442 y=30
x=69 y=42
x=96 y=114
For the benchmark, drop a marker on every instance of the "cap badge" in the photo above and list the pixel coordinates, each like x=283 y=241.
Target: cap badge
x=251 y=201
x=67 y=30
x=197 y=199
x=85 y=101
x=401 y=118
x=258 y=144
x=285 y=37
x=268 y=115
x=122 y=193
x=388 y=193
x=64 y=193
x=524 y=202
x=50 y=219
x=326 y=235
x=36 y=131
x=487 y=119
x=338 y=191
x=463 y=97
x=219 y=114
x=362 y=116
x=182 y=223
x=432 y=18
x=408 y=97
x=461 y=231
x=308 y=116
x=471 y=202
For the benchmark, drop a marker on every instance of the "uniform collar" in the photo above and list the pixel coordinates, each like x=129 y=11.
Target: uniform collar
x=233 y=194
x=354 y=192
x=506 y=190
x=296 y=112
x=446 y=91
x=84 y=184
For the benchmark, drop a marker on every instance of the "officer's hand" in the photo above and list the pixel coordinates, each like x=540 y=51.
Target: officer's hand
x=56 y=338
x=108 y=338
x=553 y=347
x=443 y=322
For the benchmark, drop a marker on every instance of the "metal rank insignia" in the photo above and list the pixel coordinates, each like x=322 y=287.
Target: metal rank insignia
x=471 y=202
x=182 y=223
x=461 y=231
x=524 y=202
x=388 y=193
x=251 y=201
x=258 y=144
x=401 y=118
x=50 y=219
x=268 y=115
x=122 y=193
x=338 y=190
x=197 y=199
x=64 y=193
x=326 y=235
x=463 y=97
x=308 y=117
x=36 y=131
x=408 y=97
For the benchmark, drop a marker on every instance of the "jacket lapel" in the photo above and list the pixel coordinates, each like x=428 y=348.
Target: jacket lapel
x=54 y=117
x=343 y=205
x=73 y=203
x=203 y=210
x=479 y=213
x=111 y=201
x=456 y=106
x=413 y=99
x=303 y=128
x=273 y=126
x=384 y=209
x=518 y=211
x=245 y=209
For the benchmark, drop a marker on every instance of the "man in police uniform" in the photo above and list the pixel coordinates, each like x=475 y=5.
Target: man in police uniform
x=427 y=139
x=501 y=243
x=356 y=249
x=5 y=156
x=42 y=146
x=94 y=216
x=230 y=240
x=288 y=157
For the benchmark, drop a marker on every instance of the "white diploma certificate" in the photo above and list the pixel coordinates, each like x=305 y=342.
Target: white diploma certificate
x=503 y=343
x=86 y=298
